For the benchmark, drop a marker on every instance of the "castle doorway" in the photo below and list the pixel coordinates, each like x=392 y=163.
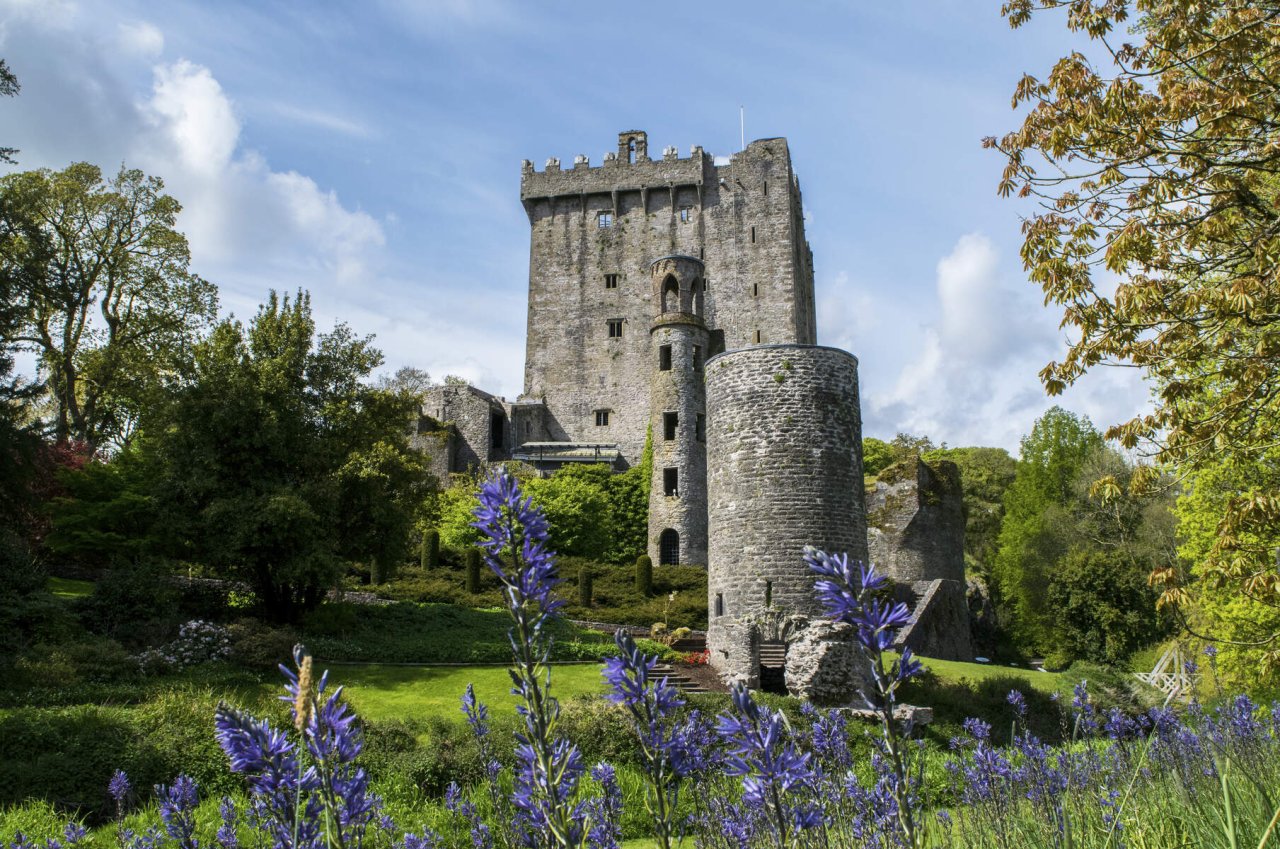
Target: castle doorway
x=670 y=295
x=669 y=548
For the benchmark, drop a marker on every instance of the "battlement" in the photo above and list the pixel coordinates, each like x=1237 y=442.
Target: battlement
x=630 y=168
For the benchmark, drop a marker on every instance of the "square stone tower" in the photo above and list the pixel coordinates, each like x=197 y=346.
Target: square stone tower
x=594 y=233
x=599 y=318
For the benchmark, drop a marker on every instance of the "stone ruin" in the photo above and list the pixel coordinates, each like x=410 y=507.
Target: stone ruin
x=915 y=535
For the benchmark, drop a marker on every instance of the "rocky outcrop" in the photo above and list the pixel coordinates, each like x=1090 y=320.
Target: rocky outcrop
x=824 y=665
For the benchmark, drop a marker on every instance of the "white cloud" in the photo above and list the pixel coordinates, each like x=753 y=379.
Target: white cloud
x=972 y=375
x=140 y=39
x=324 y=120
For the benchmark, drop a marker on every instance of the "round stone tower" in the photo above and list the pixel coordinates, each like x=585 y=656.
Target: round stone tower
x=784 y=459
x=677 y=405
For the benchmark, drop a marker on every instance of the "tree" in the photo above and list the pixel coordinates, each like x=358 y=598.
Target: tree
x=1159 y=165
x=8 y=88
x=107 y=301
x=1051 y=457
x=280 y=463
x=414 y=381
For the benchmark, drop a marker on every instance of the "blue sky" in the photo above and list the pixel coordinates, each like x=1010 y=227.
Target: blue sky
x=370 y=153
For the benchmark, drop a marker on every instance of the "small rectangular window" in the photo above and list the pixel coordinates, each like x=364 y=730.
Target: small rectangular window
x=768 y=593
x=700 y=428
x=605 y=219
x=615 y=328
x=602 y=418
x=753 y=233
x=758 y=337
x=611 y=281
x=697 y=358
x=755 y=290
x=766 y=188
x=686 y=212
x=664 y=358
x=671 y=482
x=670 y=421
x=719 y=604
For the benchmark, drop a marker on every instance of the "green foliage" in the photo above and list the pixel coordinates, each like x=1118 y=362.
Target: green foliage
x=1103 y=608
x=473 y=571
x=876 y=455
x=584 y=586
x=279 y=463
x=430 y=555
x=614 y=594
x=109 y=512
x=433 y=633
x=136 y=603
x=1076 y=546
x=1244 y=622
x=985 y=475
x=592 y=512
x=111 y=308
x=644 y=575
x=1052 y=457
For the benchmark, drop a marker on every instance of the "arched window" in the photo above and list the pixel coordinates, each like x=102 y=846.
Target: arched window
x=669 y=548
x=697 y=297
x=670 y=294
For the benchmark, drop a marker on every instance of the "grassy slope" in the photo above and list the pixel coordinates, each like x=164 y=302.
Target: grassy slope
x=953 y=671
x=69 y=588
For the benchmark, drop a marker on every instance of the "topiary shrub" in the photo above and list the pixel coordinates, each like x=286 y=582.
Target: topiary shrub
x=644 y=575
x=473 y=571
x=430 y=555
x=584 y=587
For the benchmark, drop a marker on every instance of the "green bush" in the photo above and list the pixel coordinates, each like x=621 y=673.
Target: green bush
x=257 y=645
x=430 y=555
x=473 y=571
x=135 y=603
x=644 y=575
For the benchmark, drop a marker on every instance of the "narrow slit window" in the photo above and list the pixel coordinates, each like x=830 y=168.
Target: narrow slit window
x=671 y=482
x=719 y=604
x=615 y=328
x=611 y=281
x=700 y=428
x=766 y=188
x=697 y=358
x=768 y=593
x=757 y=337
x=670 y=422
x=602 y=418
x=604 y=220
x=753 y=234
x=664 y=358
x=755 y=290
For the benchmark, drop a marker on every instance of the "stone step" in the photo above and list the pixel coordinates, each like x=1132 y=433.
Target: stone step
x=677 y=679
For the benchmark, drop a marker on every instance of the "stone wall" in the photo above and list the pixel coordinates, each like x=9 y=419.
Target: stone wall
x=915 y=522
x=479 y=419
x=784 y=470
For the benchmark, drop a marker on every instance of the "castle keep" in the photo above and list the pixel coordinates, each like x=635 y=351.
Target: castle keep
x=671 y=301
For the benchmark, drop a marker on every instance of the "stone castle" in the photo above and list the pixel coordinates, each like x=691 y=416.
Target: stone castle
x=671 y=302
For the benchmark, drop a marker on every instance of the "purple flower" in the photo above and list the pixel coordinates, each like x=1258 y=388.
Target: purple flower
x=178 y=803
x=226 y=836
x=1019 y=703
x=514 y=539
x=771 y=768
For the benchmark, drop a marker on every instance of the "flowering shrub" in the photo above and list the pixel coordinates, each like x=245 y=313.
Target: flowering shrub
x=198 y=642
x=746 y=778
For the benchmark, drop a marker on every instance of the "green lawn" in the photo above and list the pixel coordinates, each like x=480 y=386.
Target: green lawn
x=952 y=671
x=402 y=692
x=69 y=588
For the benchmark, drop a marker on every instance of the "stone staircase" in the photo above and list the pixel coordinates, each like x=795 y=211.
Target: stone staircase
x=773 y=666
x=679 y=680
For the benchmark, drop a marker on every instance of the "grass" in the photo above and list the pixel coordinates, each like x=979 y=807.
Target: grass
x=954 y=671
x=381 y=693
x=70 y=588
